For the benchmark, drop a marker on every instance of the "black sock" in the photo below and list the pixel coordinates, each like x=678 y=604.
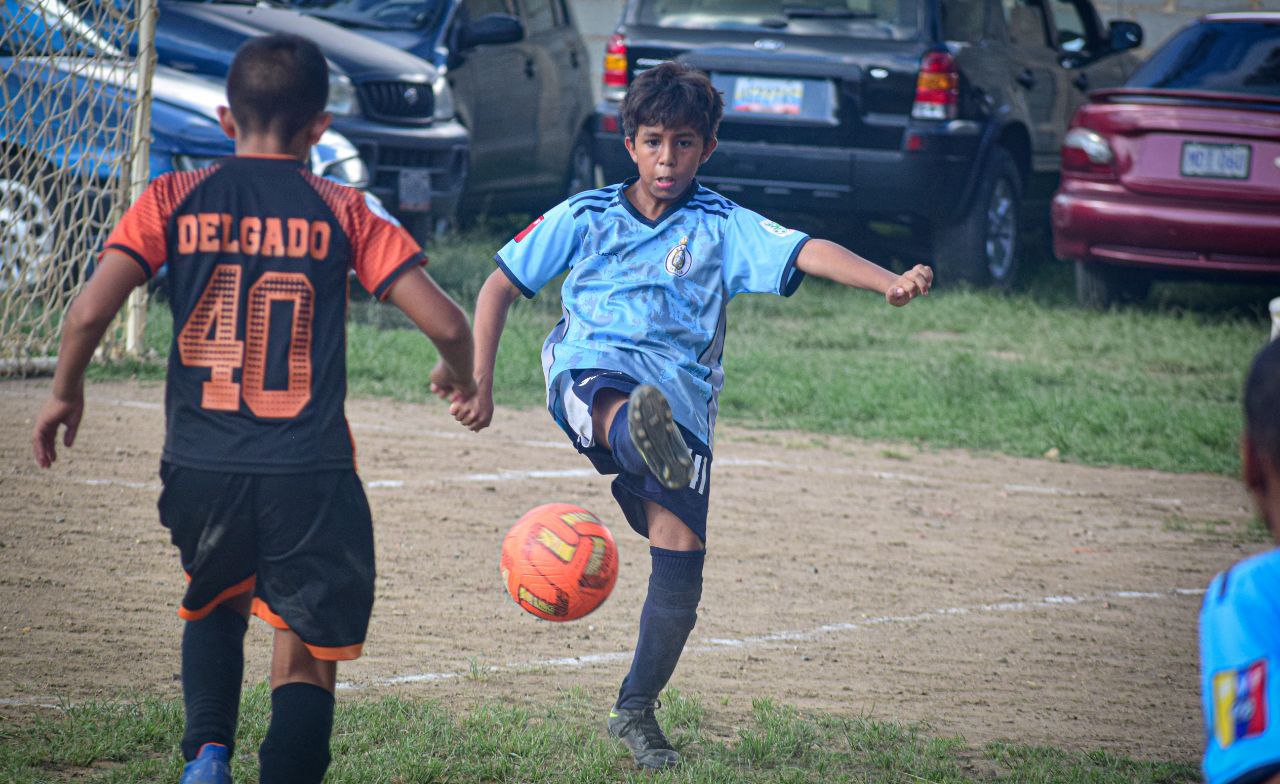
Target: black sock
x=670 y=611
x=296 y=749
x=212 y=668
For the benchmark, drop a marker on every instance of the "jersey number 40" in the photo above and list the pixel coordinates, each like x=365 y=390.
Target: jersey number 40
x=208 y=339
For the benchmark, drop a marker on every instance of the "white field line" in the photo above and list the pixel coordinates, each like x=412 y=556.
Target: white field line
x=783 y=636
x=516 y=475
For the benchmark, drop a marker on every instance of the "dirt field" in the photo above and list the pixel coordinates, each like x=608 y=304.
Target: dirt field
x=994 y=598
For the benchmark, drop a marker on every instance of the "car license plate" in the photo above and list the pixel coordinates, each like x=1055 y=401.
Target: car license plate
x=415 y=190
x=1224 y=161
x=755 y=95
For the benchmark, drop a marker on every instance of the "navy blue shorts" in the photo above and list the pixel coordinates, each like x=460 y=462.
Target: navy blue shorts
x=571 y=402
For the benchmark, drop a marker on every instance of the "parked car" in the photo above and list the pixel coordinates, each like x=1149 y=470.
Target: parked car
x=395 y=107
x=52 y=85
x=1179 y=170
x=520 y=81
x=943 y=116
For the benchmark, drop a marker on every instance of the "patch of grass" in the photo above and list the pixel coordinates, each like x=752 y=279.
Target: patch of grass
x=1254 y=531
x=404 y=741
x=1156 y=386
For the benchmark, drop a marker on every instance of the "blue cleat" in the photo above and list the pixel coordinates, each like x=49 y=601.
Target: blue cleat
x=211 y=766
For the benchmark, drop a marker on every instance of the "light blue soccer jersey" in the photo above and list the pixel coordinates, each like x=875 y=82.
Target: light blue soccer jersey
x=648 y=298
x=1239 y=682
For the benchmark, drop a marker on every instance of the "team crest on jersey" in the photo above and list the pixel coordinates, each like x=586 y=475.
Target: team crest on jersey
x=1240 y=703
x=678 y=258
x=773 y=227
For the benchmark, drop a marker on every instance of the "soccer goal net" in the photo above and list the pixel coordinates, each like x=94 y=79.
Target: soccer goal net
x=74 y=127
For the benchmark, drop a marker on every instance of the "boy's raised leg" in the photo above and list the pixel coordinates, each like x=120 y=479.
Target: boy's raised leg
x=296 y=749
x=212 y=670
x=643 y=437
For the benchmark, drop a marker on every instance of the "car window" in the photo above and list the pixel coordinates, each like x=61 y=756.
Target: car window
x=34 y=29
x=478 y=8
x=1073 y=32
x=963 y=20
x=1025 y=21
x=538 y=16
x=892 y=19
x=1234 y=57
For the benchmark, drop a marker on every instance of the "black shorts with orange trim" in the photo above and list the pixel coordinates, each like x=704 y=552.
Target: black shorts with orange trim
x=302 y=543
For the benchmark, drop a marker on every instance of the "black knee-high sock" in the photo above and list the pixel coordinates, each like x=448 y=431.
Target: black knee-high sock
x=296 y=749
x=212 y=668
x=670 y=611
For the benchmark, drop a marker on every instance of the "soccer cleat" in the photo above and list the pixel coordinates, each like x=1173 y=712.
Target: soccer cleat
x=212 y=765
x=640 y=731
x=657 y=439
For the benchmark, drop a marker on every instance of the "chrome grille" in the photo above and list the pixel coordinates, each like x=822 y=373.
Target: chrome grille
x=398 y=101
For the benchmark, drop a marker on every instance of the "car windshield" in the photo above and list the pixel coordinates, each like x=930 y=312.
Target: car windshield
x=375 y=14
x=1231 y=57
x=892 y=19
x=49 y=28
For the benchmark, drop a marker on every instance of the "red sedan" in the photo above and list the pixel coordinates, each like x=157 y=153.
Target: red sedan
x=1179 y=170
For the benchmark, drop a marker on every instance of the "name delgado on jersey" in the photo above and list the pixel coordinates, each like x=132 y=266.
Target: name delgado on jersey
x=213 y=232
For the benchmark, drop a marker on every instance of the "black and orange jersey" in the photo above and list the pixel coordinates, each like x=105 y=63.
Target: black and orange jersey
x=259 y=251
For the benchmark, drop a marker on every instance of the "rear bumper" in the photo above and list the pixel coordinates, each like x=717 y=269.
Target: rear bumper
x=924 y=184
x=1106 y=223
x=442 y=149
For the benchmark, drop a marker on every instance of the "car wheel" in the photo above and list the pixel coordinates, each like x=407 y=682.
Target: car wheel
x=1100 y=286
x=28 y=229
x=983 y=247
x=582 y=168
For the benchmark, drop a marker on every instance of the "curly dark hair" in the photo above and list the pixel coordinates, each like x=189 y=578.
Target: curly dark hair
x=1262 y=403
x=672 y=95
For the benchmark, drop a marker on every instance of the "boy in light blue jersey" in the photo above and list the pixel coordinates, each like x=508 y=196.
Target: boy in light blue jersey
x=1240 y=618
x=633 y=367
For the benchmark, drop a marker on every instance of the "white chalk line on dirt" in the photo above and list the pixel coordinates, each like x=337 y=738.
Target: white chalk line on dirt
x=751 y=641
x=578 y=473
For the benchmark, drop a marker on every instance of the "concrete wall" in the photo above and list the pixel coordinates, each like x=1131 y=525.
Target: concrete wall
x=1159 y=18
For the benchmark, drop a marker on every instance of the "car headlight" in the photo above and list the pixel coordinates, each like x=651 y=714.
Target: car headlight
x=342 y=95
x=337 y=159
x=188 y=163
x=444 y=99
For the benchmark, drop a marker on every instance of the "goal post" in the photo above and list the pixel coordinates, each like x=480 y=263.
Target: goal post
x=74 y=153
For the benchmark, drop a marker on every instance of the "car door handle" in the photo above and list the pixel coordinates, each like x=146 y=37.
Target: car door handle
x=1081 y=82
x=1026 y=78
x=573 y=58
x=528 y=68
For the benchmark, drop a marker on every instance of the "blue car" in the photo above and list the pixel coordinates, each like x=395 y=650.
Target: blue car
x=65 y=130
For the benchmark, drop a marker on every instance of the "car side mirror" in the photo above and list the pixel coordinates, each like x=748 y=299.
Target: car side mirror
x=491 y=29
x=1124 y=35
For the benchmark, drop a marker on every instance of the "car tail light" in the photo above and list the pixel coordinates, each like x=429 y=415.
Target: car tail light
x=615 y=68
x=937 y=87
x=1085 y=151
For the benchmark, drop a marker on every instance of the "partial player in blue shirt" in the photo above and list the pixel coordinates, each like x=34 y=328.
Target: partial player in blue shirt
x=633 y=368
x=1240 y=619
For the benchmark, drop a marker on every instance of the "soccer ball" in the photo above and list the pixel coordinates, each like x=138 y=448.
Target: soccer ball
x=559 y=562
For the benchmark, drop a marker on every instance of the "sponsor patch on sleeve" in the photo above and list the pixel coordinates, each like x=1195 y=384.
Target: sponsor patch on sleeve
x=773 y=227
x=1240 y=703
x=525 y=231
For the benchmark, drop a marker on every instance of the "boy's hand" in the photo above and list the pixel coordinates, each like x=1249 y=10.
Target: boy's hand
x=909 y=285
x=448 y=386
x=476 y=412
x=56 y=412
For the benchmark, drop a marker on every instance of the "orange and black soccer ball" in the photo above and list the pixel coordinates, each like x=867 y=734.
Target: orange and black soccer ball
x=559 y=562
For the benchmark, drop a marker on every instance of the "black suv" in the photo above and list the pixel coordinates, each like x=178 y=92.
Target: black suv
x=941 y=116
x=520 y=81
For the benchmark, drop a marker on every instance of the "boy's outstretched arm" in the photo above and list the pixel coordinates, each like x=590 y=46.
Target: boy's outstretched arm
x=441 y=320
x=492 y=305
x=87 y=320
x=834 y=262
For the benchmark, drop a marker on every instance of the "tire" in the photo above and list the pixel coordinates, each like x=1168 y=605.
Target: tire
x=1100 y=286
x=985 y=245
x=28 y=229
x=581 y=173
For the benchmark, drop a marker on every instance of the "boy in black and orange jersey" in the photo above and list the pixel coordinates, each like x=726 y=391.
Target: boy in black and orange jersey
x=260 y=490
